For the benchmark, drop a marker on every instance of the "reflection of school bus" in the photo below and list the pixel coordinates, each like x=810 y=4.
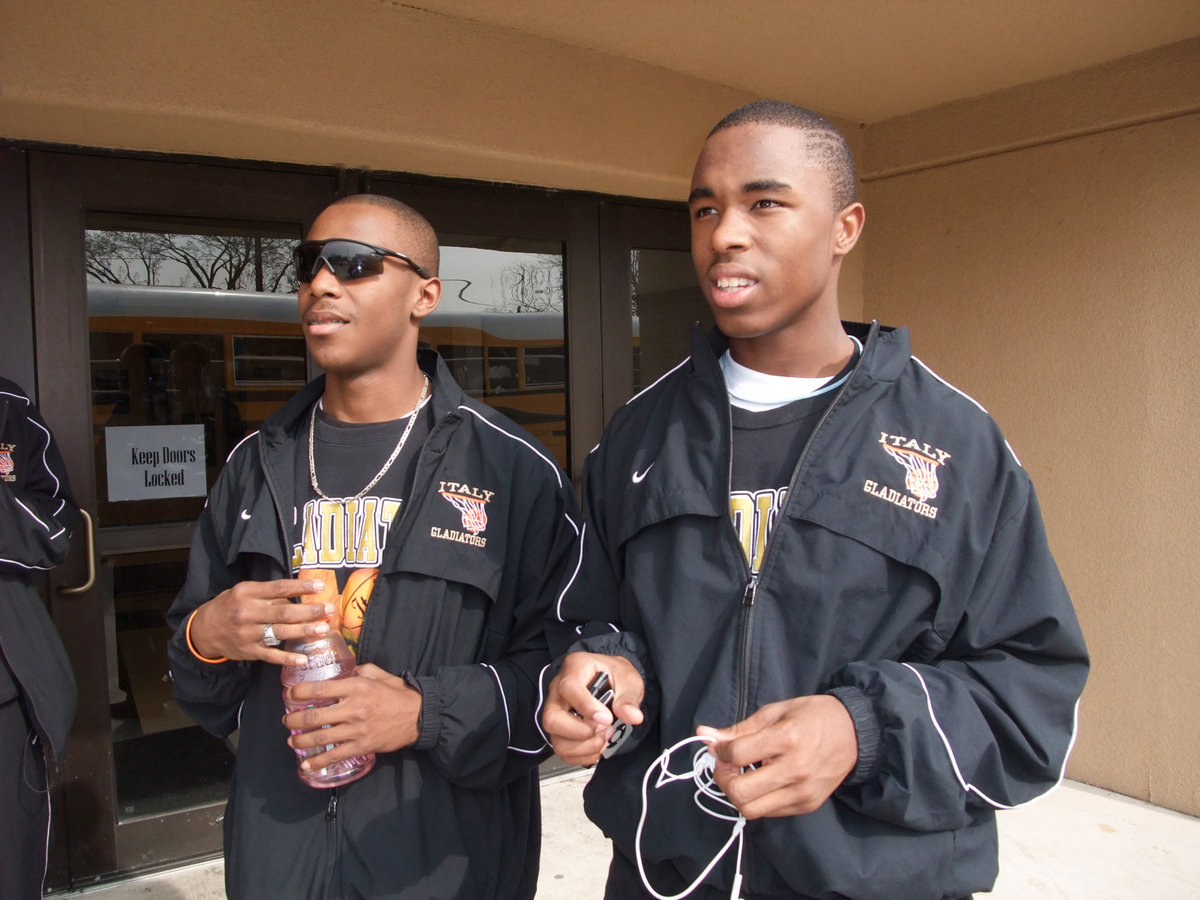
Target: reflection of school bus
x=158 y=352
x=514 y=362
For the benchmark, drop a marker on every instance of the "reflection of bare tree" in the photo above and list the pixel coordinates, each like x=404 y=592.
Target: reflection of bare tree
x=227 y=262
x=123 y=257
x=634 y=264
x=534 y=285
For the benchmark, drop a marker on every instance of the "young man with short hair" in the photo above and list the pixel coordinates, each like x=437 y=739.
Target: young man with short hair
x=381 y=472
x=816 y=576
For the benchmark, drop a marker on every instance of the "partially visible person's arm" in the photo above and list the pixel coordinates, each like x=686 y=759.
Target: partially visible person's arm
x=36 y=506
x=478 y=722
x=588 y=635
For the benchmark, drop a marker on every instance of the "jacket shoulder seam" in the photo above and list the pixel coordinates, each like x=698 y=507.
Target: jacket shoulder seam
x=486 y=420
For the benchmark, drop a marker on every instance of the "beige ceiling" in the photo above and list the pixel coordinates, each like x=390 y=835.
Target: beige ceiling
x=862 y=60
x=611 y=96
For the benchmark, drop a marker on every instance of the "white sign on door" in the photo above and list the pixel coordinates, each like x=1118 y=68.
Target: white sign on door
x=150 y=462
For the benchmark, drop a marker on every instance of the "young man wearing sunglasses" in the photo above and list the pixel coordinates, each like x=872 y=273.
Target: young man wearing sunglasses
x=432 y=525
x=816 y=576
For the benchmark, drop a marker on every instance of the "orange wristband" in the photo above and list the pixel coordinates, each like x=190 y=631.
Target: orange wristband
x=187 y=636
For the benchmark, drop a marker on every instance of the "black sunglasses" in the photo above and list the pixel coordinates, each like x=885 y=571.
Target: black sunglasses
x=346 y=259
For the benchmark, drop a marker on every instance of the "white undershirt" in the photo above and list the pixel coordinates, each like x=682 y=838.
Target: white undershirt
x=758 y=391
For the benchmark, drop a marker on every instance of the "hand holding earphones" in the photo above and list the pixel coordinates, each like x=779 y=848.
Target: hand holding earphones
x=786 y=758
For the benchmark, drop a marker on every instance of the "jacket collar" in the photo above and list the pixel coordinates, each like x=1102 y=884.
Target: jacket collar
x=694 y=478
x=886 y=351
x=288 y=425
x=289 y=420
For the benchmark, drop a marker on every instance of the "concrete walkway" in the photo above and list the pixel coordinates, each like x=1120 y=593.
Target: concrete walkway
x=1079 y=843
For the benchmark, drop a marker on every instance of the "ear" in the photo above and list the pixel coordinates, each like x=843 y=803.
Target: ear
x=428 y=298
x=847 y=227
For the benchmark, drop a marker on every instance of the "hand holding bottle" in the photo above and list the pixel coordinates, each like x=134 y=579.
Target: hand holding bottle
x=334 y=720
x=339 y=722
x=232 y=624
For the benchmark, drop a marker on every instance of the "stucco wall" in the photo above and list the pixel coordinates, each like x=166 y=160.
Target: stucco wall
x=1052 y=275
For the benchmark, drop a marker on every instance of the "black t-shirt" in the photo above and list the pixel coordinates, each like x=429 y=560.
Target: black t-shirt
x=766 y=448
x=347 y=534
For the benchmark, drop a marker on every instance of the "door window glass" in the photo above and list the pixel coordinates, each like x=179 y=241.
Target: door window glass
x=665 y=302
x=194 y=340
x=499 y=327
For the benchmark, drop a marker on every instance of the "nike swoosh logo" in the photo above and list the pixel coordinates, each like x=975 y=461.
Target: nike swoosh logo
x=638 y=477
x=246 y=514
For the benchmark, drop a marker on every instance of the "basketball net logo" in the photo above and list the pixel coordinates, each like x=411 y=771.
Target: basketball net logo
x=474 y=510
x=471 y=503
x=920 y=461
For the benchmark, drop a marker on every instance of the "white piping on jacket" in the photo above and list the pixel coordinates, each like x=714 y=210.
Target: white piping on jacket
x=966 y=396
x=970 y=788
x=507 y=720
x=686 y=360
x=511 y=436
x=574 y=575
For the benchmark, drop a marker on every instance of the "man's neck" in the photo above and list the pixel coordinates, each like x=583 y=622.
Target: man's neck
x=372 y=397
x=814 y=354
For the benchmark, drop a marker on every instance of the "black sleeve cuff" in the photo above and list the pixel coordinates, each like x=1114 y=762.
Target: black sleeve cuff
x=866 y=730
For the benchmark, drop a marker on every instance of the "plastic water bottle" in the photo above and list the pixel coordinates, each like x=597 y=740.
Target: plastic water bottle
x=329 y=658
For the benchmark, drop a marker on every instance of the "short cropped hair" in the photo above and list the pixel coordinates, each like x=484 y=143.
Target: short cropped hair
x=826 y=146
x=424 y=250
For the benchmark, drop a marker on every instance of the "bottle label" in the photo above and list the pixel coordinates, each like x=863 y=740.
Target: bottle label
x=321 y=659
x=323 y=664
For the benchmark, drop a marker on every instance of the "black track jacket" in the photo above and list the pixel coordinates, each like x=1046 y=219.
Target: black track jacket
x=456 y=815
x=931 y=607
x=36 y=516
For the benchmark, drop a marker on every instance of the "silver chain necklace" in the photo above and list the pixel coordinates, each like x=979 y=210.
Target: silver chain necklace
x=312 y=461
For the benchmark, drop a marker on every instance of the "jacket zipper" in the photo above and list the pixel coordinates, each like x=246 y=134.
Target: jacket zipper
x=747 y=630
x=331 y=823
x=750 y=592
x=331 y=811
x=331 y=836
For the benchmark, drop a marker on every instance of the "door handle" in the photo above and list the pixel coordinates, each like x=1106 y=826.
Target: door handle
x=91 y=558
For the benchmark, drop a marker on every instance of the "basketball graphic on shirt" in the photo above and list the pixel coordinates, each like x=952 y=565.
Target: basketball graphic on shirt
x=355 y=596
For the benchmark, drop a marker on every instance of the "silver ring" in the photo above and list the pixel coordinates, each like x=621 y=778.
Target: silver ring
x=269 y=636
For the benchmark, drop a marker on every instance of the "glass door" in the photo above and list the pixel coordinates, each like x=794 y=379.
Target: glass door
x=167 y=330
x=193 y=339
x=501 y=330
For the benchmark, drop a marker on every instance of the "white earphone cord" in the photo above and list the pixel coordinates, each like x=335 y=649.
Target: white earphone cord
x=702 y=776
